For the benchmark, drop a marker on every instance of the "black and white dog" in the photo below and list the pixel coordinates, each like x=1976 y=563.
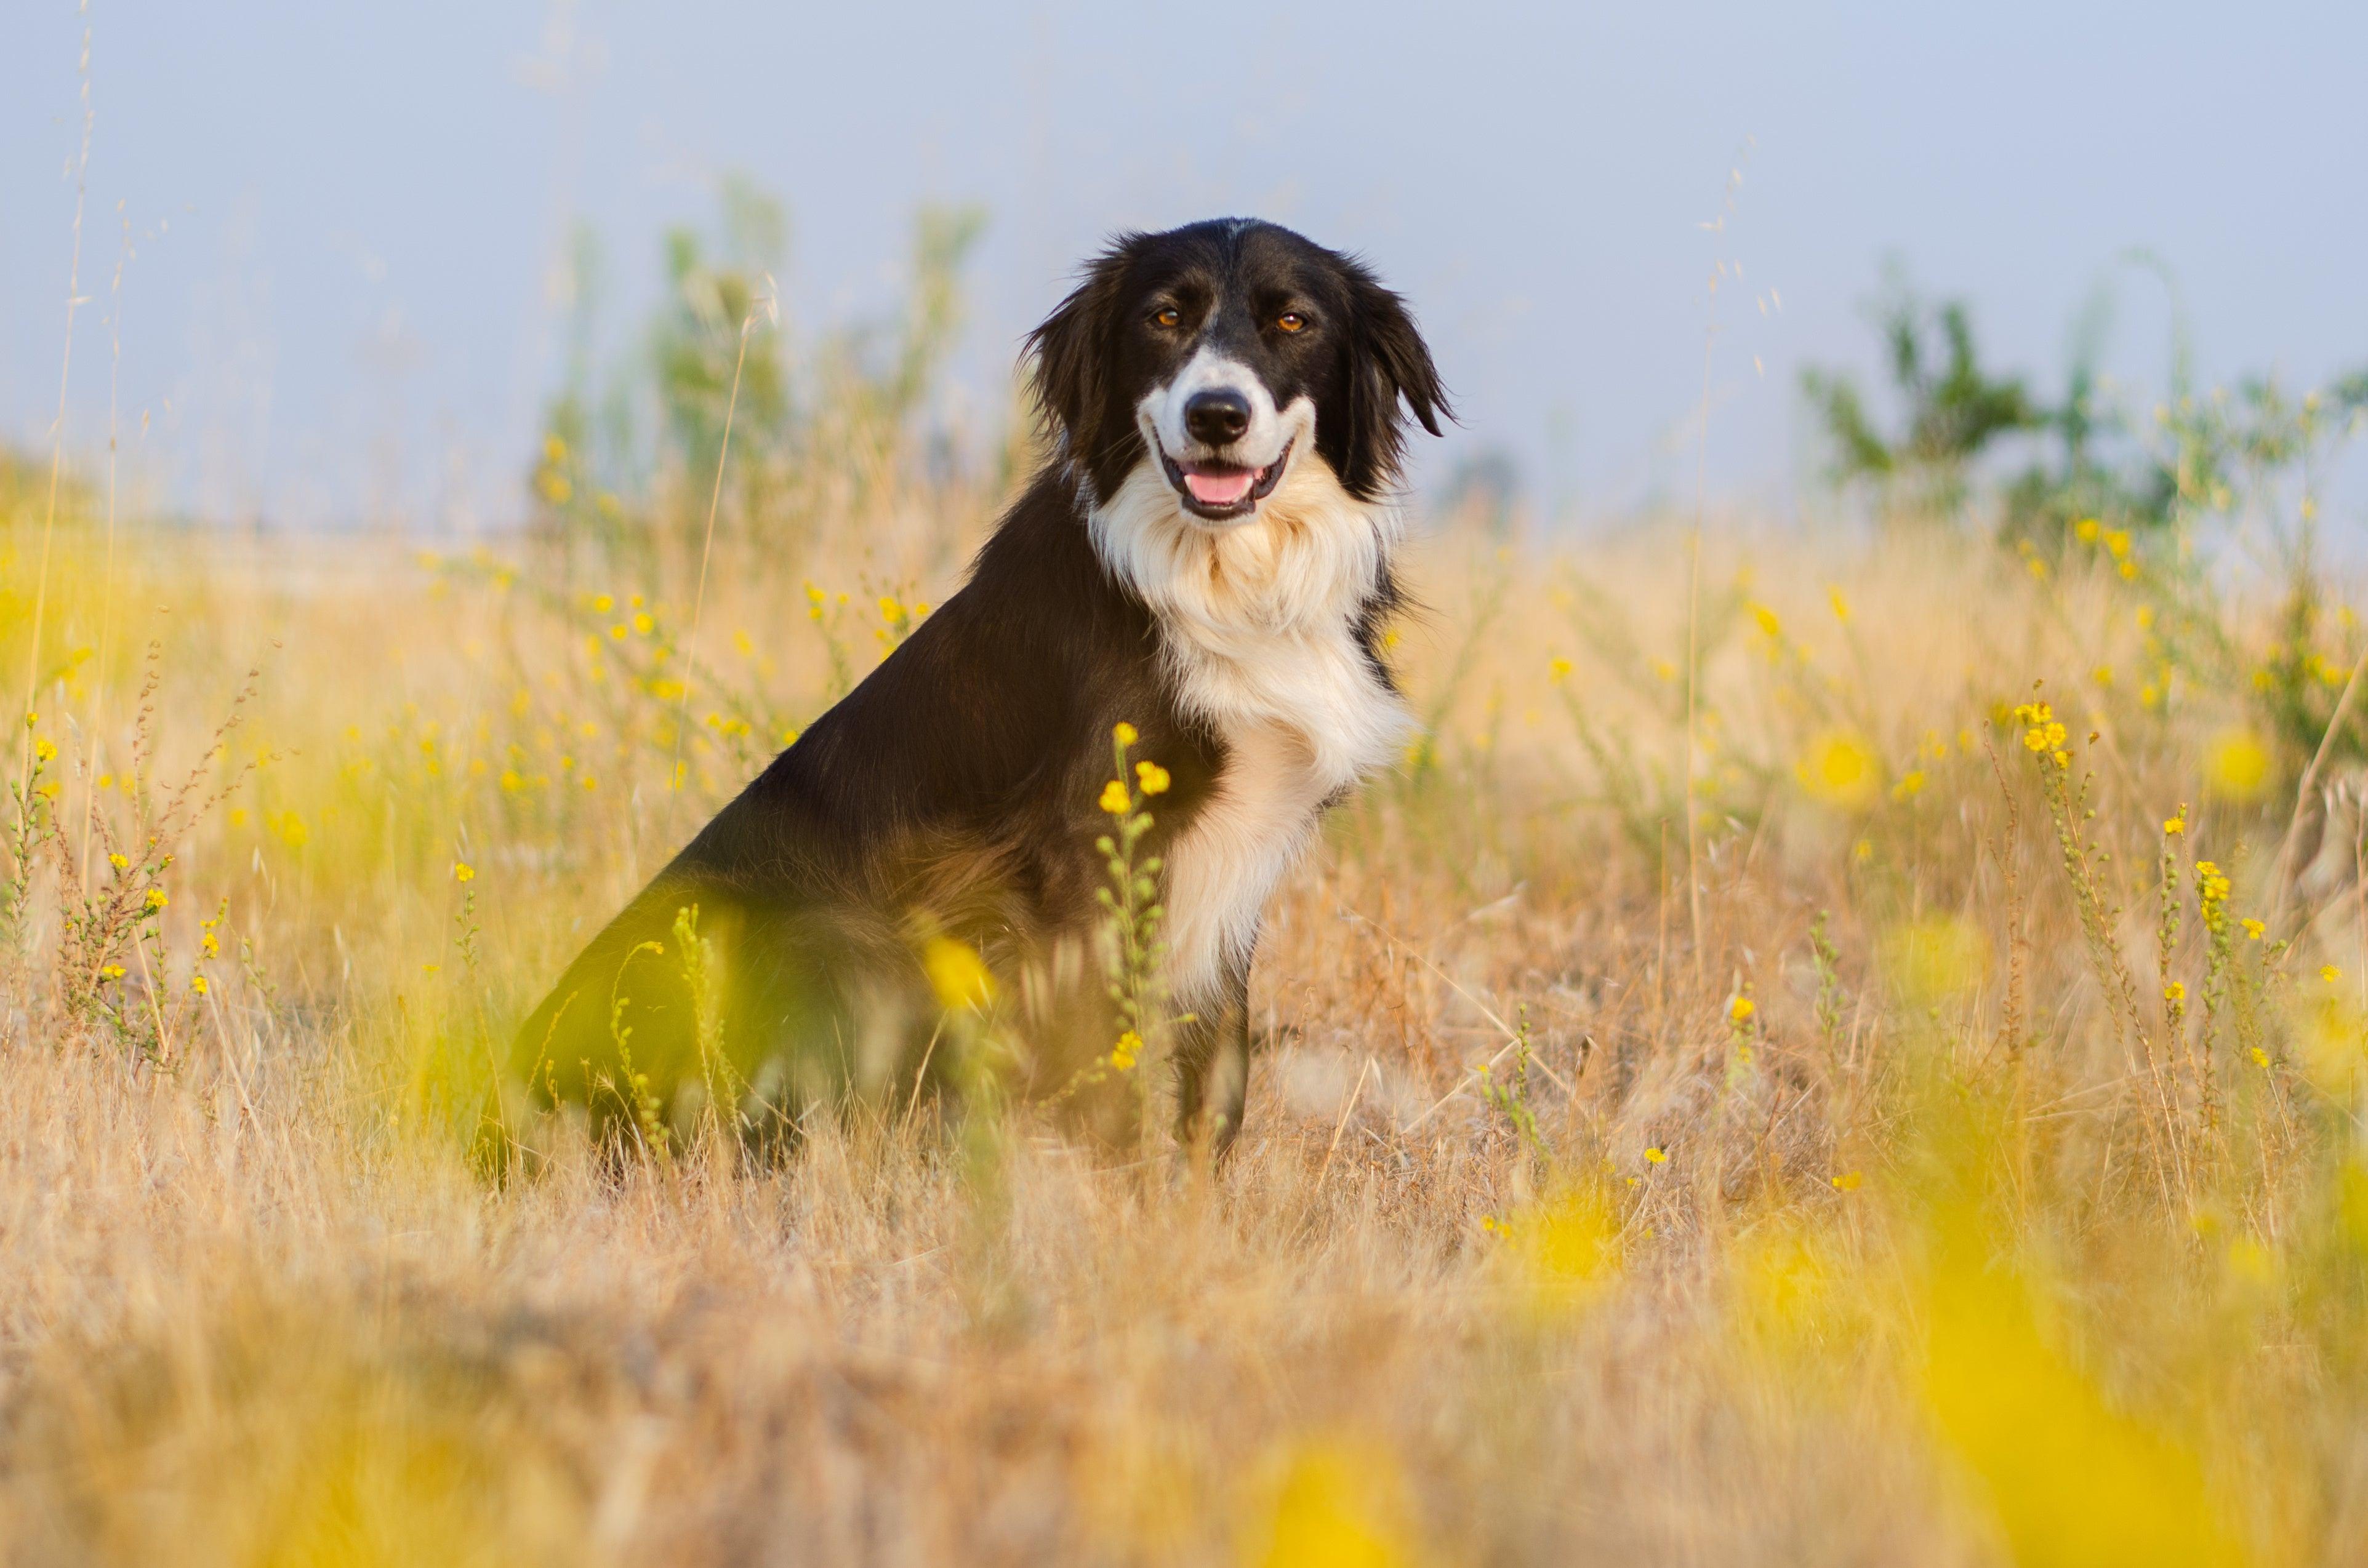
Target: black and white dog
x=1206 y=555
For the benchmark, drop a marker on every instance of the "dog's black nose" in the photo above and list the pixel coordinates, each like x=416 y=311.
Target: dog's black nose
x=1217 y=417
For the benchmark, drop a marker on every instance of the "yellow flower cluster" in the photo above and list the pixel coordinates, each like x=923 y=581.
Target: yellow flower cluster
x=2088 y=531
x=2211 y=894
x=1129 y=1047
x=2042 y=732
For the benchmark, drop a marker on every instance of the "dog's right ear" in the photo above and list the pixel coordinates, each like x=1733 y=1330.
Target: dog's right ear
x=1068 y=354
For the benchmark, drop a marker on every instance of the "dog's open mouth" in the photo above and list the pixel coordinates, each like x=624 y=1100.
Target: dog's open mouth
x=1223 y=491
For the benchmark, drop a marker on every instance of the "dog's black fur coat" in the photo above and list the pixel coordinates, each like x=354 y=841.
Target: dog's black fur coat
x=954 y=790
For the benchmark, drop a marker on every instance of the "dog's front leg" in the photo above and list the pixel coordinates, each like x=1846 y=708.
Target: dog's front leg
x=1213 y=1064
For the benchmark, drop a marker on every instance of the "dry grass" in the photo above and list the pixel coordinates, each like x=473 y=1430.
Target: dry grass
x=1928 y=1254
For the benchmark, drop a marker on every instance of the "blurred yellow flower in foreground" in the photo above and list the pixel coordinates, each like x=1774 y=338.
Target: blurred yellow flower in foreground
x=2237 y=766
x=1841 y=769
x=957 y=975
x=1115 y=798
x=1339 y=1505
x=1562 y=1250
x=2334 y=1039
x=2073 y=1481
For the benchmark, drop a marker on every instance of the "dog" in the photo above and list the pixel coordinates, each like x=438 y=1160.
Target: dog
x=1206 y=555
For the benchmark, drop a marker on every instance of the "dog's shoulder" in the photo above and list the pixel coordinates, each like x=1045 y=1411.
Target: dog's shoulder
x=1011 y=679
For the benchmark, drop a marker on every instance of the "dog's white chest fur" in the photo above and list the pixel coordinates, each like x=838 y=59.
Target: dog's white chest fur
x=1258 y=624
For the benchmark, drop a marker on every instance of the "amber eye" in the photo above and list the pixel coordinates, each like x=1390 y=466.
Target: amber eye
x=1166 y=315
x=1290 y=320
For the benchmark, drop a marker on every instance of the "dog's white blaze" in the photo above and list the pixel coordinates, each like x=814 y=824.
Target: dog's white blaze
x=1257 y=623
x=1161 y=409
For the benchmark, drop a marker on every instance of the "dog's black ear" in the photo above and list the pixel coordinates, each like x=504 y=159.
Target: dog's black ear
x=1068 y=352
x=1388 y=361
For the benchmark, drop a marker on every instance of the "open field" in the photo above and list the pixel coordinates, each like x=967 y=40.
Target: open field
x=1883 y=1136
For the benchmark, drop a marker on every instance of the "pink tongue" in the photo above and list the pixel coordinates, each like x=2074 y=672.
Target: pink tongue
x=1219 y=489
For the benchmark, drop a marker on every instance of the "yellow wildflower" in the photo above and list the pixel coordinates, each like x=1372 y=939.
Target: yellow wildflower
x=957 y=975
x=1740 y=1009
x=155 y=900
x=462 y=872
x=120 y=861
x=45 y=750
x=2253 y=929
x=1849 y=1181
x=2331 y=973
x=2172 y=826
x=1115 y=798
x=1125 y=734
x=2237 y=766
x=1123 y=1054
x=1656 y=1155
x=1152 y=776
x=1841 y=769
x=1336 y=1503
x=1557 y=669
x=197 y=984
x=2174 y=992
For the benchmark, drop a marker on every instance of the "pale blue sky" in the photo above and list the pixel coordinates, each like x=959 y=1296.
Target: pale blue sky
x=348 y=311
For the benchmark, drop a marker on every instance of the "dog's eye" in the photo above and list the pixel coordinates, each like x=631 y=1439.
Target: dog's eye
x=1166 y=315
x=1290 y=320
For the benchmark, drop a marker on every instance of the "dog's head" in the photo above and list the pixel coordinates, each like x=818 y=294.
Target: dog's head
x=1224 y=353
